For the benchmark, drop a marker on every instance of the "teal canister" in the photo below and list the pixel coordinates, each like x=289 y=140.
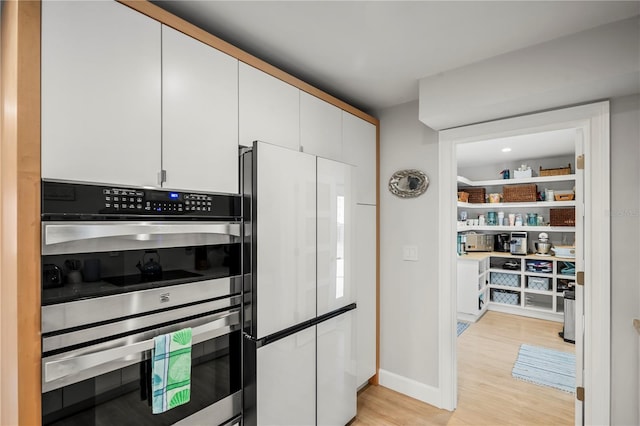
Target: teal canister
x=492 y=218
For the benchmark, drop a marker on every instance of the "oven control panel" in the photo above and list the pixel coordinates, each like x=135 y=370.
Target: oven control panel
x=82 y=199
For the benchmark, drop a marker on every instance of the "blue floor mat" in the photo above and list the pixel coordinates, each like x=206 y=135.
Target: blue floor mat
x=462 y=326
x=546 y=367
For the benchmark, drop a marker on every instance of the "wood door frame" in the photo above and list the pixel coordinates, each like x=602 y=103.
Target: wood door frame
x=20 y=386
x=593 y=121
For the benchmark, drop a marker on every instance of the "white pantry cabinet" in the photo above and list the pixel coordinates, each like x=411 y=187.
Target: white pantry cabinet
x=199 y=115
x=100 y=93
x=269 y=109
x=359 y=149
x=472 y=289
x=320 y=127
x=364 y=276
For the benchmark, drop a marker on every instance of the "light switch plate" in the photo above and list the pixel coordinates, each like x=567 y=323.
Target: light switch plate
x=410 y=253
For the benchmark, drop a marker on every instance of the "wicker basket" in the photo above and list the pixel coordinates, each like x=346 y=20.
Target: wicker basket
x=564 y=197
x=520 y=193
x=476 y=195
x=562 y=217
x=555 y=172
x=463 y=196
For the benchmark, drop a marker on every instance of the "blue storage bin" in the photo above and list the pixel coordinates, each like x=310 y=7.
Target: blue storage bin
x=510 y=280
x=538 y=283
x=506 y=297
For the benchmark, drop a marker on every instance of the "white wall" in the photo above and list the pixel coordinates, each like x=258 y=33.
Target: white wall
x=625 y=258
x=409 y=312
x=408 y=290
x=594 y=64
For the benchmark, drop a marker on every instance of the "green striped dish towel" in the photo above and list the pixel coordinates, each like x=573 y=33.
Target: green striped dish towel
x=171 y=371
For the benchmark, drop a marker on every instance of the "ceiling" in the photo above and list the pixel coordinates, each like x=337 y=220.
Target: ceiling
x=371 y=54
x=526 y=147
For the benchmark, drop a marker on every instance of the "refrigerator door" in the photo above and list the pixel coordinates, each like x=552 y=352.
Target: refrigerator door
x=284 y=231
x=336 y=365
x=335 y=210
x=286 y=380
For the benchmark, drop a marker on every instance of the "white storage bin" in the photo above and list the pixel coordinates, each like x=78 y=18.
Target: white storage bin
x=521 y=174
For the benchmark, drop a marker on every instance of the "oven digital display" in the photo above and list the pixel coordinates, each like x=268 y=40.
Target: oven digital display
x=174 y=195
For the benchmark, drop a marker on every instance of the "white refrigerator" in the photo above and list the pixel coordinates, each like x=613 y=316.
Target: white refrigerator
x=299 y=352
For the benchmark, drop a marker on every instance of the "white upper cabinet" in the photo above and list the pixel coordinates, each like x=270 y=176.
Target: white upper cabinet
x=100 y=93
x=199 y=115
x=359 y=149
x=320 y=127
x=334 y=235
x=269 y=109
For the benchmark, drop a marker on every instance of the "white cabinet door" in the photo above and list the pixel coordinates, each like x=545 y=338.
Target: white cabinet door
x=336 y=370
x=100 y=93
x=199 y=115
x=365 y=280
x=467 y=291
x=359 y=149
x=334 y=240
x=286 y=238
x=320 y=127
x=286 y=380
x=269 y=109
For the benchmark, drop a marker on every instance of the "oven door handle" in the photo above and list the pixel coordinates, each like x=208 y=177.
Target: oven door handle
x=64 y=232
x=54 y=370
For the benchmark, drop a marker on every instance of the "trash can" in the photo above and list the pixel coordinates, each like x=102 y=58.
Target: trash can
x=569 y=331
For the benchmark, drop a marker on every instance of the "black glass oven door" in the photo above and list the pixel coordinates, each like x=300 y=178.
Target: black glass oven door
x=83 y=260
x=122 y=396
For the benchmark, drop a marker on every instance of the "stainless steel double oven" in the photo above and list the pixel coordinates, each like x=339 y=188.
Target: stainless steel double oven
x=121 y=266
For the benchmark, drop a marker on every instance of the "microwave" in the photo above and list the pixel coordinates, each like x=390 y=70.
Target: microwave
x=478 y=242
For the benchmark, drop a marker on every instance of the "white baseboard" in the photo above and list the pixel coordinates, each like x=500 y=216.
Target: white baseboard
x=409 y=387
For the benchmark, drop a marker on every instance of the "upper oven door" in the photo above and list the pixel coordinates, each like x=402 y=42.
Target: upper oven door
x=90 y=259
x=101 y=236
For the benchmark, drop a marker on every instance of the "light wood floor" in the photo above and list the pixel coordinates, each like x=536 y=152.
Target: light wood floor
x=487 y=394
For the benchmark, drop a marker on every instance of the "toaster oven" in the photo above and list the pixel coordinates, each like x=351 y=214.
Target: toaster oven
x=478 y=242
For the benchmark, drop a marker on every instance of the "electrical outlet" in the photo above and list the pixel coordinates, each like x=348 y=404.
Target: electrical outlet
x=410 y=253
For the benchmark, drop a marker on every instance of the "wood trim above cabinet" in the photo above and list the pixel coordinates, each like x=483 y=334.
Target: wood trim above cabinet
x=167 y=18
x=20 y=391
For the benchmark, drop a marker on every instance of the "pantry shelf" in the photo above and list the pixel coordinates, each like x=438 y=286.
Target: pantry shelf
x=540 y=179
x=536 y=204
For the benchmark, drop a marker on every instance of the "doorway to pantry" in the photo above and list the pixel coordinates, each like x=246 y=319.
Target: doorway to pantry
x=531 y=292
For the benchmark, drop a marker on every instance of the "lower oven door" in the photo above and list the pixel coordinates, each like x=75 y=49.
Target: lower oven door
x=109 y=383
